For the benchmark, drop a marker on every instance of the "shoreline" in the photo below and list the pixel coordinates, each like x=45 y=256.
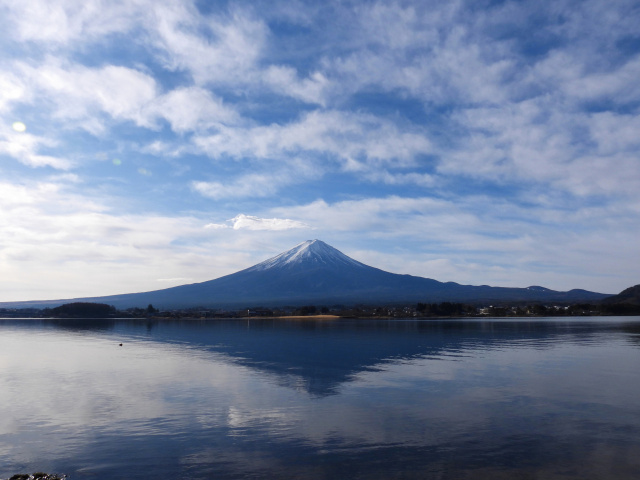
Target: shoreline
x=298 y=317
x=322 y=317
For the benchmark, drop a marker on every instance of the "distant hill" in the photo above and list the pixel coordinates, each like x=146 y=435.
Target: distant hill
x=630 y=295
x=316 y=273
x=83 y=309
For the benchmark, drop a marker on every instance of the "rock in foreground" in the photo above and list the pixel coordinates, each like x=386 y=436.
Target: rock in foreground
x=37 y=476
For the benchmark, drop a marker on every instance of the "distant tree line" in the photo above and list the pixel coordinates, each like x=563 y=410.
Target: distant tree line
x=577 y=309
x=84 y=309
x=419 y=310
x=445 y=309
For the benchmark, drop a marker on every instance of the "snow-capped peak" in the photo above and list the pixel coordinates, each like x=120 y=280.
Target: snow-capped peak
x=310 y=252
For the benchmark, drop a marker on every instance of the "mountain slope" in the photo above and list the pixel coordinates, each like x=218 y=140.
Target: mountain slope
x=629 y=295
x=316 y=273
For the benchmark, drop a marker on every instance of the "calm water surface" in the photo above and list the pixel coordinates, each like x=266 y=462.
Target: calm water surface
x=539 y=399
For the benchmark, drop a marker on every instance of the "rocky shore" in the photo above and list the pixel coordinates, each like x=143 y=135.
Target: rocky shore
x=37 y=476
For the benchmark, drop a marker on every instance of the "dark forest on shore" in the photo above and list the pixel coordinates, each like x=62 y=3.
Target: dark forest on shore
x=419 y=310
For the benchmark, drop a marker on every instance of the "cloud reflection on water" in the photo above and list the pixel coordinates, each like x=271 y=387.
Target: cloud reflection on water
x=221 y=397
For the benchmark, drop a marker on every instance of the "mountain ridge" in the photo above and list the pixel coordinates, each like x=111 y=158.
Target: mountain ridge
x=314 y=272
x=629 y=295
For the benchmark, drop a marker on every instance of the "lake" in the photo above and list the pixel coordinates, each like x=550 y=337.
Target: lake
x=552 y=398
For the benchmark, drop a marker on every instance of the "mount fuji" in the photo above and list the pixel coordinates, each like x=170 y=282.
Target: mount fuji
x=316 y=273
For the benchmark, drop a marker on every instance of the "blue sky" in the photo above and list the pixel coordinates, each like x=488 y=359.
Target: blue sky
x=146 y=144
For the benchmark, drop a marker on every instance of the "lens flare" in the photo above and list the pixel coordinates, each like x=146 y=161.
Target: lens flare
x=117 y=161
x=19 y=126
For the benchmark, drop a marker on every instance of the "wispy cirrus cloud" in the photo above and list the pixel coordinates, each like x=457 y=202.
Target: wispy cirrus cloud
x=190 y=109
x=227 y=52
x=352 y=142
x=286 y=81
x=532 y=143
x=61 y=23
x=253 y=185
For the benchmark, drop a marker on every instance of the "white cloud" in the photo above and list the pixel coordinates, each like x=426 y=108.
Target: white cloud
x=350 y=138
x=58 y=23
x=618 y=85
x=79 y=94
x=59 y=244
x=192 y=108
x=249 y=222
x=252 y=185
x=12 y=89
x=216 y=226
x=219 y=49
x=165 y=149
x=615 y=133
x=284 y=80
x=420 y=179
x=396 y=27
x=288 y=171
x=25 y=148
x=432 y=52
x=532 y=142
x=228 y=52
x=392 y=216
x=65 y=177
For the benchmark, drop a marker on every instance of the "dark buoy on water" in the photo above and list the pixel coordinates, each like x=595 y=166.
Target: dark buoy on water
x=120 y=344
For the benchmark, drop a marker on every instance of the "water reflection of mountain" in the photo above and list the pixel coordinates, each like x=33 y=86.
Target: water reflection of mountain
x=633 y=331
x=319 y=356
